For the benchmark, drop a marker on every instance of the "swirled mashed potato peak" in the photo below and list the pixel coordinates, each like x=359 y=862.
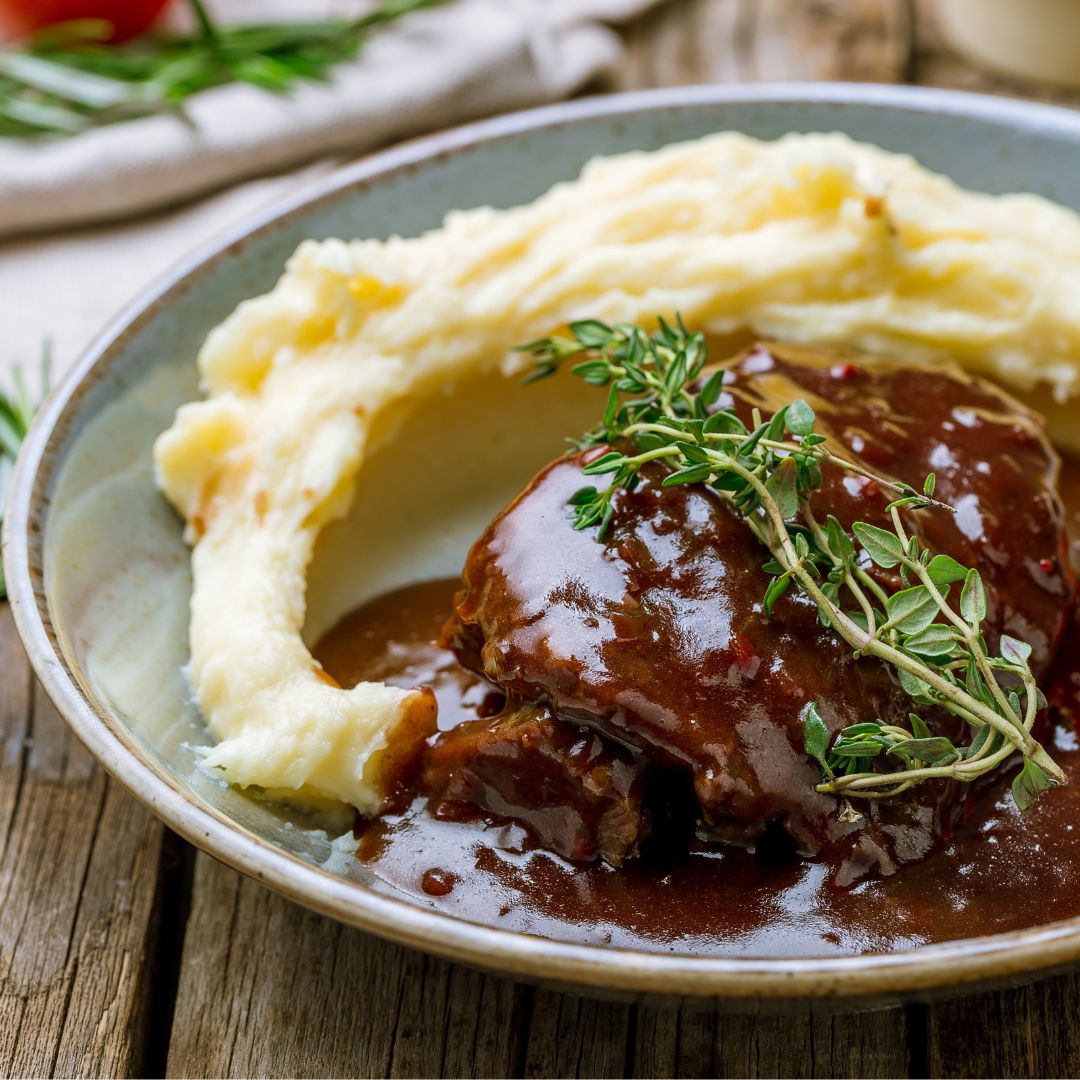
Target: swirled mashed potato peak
x=811 y=239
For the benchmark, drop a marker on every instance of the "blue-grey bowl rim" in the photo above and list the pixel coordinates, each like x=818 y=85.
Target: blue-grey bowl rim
x=930 y=968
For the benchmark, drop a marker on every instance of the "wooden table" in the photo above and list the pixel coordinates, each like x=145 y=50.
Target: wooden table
x=124 y=952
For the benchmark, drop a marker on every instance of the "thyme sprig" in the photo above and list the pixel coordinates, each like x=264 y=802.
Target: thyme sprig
x=65 y=81
x=16 y=411
x=663 y=406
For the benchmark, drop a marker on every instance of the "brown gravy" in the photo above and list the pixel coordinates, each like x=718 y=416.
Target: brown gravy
x=1002 y=872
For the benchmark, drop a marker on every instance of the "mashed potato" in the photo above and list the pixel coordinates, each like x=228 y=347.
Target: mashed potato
x=811 y=239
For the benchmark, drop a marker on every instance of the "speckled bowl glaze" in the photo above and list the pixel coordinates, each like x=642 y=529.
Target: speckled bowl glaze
x=98 y=572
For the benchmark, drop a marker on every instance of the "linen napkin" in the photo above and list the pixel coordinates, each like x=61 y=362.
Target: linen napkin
x=427 y=70
x=431 y=69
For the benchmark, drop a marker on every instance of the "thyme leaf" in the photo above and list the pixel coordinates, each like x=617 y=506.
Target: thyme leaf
x=662 y=407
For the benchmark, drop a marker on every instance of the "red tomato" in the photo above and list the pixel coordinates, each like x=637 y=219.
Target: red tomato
x=129 y=17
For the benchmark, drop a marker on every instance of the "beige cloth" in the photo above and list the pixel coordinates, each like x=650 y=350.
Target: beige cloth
x=436 y=67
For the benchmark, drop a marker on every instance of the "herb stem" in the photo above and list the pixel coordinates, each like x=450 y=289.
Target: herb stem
x=206 y=25
x=870 y=645
x=971 y=636
x=824 y=456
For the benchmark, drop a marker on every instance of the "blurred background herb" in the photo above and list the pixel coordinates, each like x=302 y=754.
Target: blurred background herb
x=74 y=75
x=16 y=411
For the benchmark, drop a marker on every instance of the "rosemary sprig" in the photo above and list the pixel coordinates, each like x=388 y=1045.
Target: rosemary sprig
x=663 y=407
x=16 y=411
x=65 y=81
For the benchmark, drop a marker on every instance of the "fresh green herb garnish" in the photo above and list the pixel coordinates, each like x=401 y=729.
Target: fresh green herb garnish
x=65 y=82
x=663 y=404
x=16 y=412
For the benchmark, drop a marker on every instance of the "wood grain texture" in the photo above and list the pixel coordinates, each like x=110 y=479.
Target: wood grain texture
x=1028 y=1031
x=696 y=1041
x=269 y=989
x=726 y=41
x=78 y=883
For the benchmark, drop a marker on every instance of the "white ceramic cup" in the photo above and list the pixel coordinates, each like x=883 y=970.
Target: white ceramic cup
x=1032 y=39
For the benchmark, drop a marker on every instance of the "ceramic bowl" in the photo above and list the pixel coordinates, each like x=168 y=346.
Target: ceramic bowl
x=99 y=577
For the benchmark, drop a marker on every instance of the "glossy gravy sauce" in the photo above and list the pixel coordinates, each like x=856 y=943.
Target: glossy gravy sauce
x=1002 y=871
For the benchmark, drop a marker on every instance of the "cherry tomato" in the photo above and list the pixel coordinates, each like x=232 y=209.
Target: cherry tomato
x=128 y=17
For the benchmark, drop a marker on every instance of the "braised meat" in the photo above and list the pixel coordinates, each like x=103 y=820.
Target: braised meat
x=656 y=638
x=580 y=794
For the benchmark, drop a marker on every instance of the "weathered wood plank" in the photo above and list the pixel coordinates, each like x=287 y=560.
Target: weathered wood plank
x=656 y=1046
x=1027 y=1031
x=79 y=865
x=724 y=41
x=270 y=989
x=697 y=1042
x=576 y=1036
x=16 y=690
